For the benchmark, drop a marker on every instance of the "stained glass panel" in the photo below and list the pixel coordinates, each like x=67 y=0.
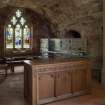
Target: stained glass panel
x=18 y=13
x=14 y=20
x=18 y=36
x=9 y=37
x=27 y=37
x=22 y=20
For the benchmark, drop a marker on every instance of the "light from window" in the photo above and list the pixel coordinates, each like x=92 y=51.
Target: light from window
x=22 y=20
x=18 y=36
x=18 y=13
x=27 y=37
x=18 y=32
x=9 y=36
x=13 y=20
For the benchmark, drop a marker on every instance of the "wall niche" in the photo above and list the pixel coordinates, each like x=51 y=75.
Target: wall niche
x=72 y=34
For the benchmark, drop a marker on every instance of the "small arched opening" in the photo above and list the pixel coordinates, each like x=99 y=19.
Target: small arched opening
x=73 y=34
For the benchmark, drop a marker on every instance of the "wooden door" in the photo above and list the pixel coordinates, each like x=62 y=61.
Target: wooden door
x=46 y=86
x=63 y=83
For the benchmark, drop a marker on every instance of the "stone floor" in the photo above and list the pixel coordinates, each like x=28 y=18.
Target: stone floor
x=11 y=93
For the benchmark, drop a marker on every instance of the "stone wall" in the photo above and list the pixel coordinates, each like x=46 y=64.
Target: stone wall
x=103 y=72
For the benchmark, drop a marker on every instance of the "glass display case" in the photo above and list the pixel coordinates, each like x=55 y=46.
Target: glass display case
x=64 y=47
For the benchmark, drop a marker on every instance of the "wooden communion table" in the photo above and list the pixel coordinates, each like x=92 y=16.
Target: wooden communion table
x=48 y=80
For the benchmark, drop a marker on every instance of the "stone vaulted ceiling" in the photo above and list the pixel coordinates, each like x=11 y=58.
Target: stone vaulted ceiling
x=61 y=12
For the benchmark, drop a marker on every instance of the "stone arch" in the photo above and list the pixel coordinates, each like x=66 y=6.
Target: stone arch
x=72 y=34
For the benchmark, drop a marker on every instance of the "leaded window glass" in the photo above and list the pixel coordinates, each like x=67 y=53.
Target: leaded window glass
x=18 y=36
x=18 y=33
x=22 y=21
x=13 y=20
x=27 y=37
x=18 y=13
x=9 y=36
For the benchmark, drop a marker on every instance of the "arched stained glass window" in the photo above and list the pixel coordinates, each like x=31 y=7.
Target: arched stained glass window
x=18 y=33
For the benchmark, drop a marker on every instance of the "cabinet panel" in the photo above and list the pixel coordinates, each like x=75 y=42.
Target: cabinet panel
x=63 y=83
x=46 y=86
x=79 y=78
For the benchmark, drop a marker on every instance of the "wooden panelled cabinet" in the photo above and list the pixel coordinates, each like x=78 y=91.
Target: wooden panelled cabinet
x=63 y=83
x=56 y=81
x=46 y=86
x=79 y=80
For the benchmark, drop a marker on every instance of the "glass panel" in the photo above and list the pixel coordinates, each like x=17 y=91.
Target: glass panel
x=13 y=20
x=27 y=37
x=9 y=37
x=18 y=13
x=22 y=20
x=18 y=36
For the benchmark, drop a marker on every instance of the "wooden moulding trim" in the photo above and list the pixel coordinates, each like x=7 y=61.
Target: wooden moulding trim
x=48 y=100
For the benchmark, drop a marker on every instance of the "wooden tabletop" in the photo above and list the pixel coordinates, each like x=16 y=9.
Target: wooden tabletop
x=53 y=60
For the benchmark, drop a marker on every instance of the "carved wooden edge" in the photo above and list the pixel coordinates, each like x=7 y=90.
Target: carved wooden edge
x=59 y=67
